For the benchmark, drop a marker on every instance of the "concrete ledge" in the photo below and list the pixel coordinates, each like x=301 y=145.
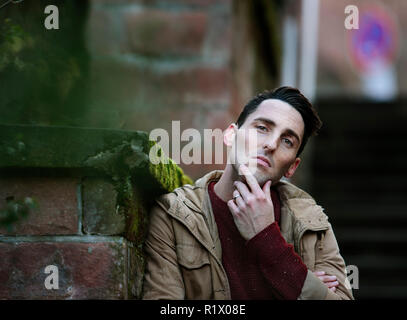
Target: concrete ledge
x=58 y=147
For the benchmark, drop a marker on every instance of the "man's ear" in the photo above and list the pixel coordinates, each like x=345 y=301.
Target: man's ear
x=229 y=135
x=292 y=168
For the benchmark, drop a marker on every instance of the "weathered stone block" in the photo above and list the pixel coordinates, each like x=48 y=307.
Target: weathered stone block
x=90 y=270
x=56 y=197
x=99 y=208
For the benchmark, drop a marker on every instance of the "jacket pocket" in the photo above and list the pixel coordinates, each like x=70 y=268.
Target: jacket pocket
x=196 y=271
x=191 y=257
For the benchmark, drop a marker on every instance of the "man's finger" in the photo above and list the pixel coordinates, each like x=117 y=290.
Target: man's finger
x=266 y=189
x=243 y=190
x=238 y=199
x=250 y=179
x=328 y=278
x=233 y=207
x=332 y=284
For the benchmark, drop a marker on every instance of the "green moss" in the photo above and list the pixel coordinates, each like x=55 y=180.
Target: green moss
x=125 y=165
x=166 y=172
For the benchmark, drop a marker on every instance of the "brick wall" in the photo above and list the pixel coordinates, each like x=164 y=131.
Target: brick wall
x=157 y=61
x=166 y=58
x=80 y=224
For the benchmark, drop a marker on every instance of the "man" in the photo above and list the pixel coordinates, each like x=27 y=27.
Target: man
x=243 y=233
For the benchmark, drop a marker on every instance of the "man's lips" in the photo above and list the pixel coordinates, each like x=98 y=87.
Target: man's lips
x=263 y=161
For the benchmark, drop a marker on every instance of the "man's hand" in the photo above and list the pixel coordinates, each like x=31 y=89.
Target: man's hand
x=329 y=281
x=252 y=209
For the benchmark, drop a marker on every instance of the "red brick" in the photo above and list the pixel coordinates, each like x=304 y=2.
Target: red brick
x=209 y=83
x=131 y=81
x=86 y=270
x=57 y=212
x=151 y=99
x=157 y=32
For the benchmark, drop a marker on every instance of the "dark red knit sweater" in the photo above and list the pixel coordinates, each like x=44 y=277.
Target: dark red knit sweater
x=266 y=266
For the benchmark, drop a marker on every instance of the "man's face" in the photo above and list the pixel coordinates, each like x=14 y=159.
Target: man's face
x=268 y=141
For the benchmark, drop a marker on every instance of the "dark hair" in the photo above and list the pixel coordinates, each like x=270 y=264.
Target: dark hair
x=292 y=96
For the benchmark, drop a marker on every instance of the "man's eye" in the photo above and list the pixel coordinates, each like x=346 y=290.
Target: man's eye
x=288 y=142
x=261 y=128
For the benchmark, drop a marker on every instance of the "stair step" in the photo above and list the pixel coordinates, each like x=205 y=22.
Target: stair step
x=361 y=164
x=359 y=177
x=375 y=119
x=359 y=235
x=367 y=215
x=371 y=187
x=366 y=211
x=380 y=292
x=331 y=141
x=380 y=199
x=378 y=262
x=342 y=197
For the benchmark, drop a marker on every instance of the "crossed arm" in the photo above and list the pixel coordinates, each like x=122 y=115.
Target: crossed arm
x=253 y=211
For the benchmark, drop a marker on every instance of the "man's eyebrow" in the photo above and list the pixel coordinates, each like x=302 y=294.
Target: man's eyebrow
x=272 y=123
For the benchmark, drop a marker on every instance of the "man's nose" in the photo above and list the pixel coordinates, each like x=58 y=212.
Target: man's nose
x=271 y=143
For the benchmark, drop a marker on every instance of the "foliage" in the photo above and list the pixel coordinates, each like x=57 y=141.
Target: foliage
x=124 y=165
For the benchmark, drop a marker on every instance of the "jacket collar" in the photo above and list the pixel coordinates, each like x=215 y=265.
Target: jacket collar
x=299 y=210
x=300 y=203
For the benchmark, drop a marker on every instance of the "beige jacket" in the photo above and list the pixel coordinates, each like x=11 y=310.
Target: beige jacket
x=184 y=254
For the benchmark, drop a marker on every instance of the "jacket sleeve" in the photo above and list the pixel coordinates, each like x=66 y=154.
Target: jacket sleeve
x=162 y=277
x=328 y=259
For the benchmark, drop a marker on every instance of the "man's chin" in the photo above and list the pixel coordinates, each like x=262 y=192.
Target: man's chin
x=260 y=176
x=262 y=180
x=259 y=172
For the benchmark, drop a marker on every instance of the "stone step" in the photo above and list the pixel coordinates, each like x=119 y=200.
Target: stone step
x=379 y=263
x=358 y=236
x=336 y=163
x=360 y=183
x=375 y=119
x=366 y=214
x=359 y=175
x=329 y=198
x=380 y=292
